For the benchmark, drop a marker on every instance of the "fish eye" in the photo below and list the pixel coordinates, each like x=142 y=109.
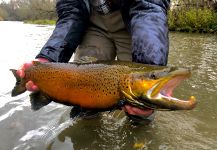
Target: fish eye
x=153 y=76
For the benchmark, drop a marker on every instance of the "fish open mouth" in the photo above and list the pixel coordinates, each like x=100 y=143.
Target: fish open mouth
x=160 y=95
x=167 y=90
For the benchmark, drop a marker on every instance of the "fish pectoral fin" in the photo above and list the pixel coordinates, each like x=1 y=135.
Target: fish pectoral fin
x=78 y=112
x=38 y=100
x=85 y=60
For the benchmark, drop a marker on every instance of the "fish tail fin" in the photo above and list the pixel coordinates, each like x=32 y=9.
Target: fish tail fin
x=20 y=86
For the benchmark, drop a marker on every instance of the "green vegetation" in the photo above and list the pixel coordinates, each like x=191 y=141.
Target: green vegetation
x=42 y=22
x=193 y=20
x=193 y=16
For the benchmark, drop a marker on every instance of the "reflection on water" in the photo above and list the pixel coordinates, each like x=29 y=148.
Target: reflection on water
x=50 y=128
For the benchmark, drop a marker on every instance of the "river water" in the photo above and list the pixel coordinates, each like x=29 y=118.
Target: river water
x=50 y=128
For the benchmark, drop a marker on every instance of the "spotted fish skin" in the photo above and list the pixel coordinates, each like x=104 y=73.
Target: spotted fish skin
x=95 y=85
x=89 y=85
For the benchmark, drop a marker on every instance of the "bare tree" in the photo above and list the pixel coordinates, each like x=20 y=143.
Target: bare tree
x=29 y=9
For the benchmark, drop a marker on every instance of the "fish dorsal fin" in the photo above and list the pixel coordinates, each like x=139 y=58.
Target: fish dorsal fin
x=35 y=63
x=86 y=60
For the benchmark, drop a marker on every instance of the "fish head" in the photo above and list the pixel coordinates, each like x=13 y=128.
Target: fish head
x=154 y=89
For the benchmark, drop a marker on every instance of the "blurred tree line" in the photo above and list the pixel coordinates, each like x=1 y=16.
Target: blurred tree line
x=19 y=10
x=185 y=15
x=193 y=16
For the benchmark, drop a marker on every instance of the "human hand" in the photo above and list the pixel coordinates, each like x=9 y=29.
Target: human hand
x=131 y=110
x=30 y=86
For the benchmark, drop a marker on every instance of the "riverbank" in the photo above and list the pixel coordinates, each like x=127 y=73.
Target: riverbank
x=182 y=20
x=41 y=22
x=193 y=20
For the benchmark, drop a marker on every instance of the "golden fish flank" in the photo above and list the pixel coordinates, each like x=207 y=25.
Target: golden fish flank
x=102 y=84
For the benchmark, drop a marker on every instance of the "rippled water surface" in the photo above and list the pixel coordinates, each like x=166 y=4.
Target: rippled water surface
x=50 y=128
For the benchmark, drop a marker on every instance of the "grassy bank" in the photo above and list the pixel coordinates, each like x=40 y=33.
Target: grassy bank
x=193 y=20
x=42 y=22
x=184 y=20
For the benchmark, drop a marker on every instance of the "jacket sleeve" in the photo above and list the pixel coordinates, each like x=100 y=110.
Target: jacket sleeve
x=73 y=17
x=149 y=31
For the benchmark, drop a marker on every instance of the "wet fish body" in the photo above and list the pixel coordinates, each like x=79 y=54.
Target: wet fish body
x=102 y=84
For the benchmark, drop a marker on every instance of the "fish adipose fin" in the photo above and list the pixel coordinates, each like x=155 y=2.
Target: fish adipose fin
x=20 y=86
x=39 y=100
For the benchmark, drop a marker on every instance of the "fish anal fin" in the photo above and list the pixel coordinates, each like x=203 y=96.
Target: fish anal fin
x=39 y=100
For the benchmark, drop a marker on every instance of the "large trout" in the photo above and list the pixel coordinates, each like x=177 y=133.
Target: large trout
x=103 y=85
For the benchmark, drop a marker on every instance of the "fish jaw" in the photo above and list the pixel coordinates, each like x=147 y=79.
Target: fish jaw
x=161 y=93
x=145 y=92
